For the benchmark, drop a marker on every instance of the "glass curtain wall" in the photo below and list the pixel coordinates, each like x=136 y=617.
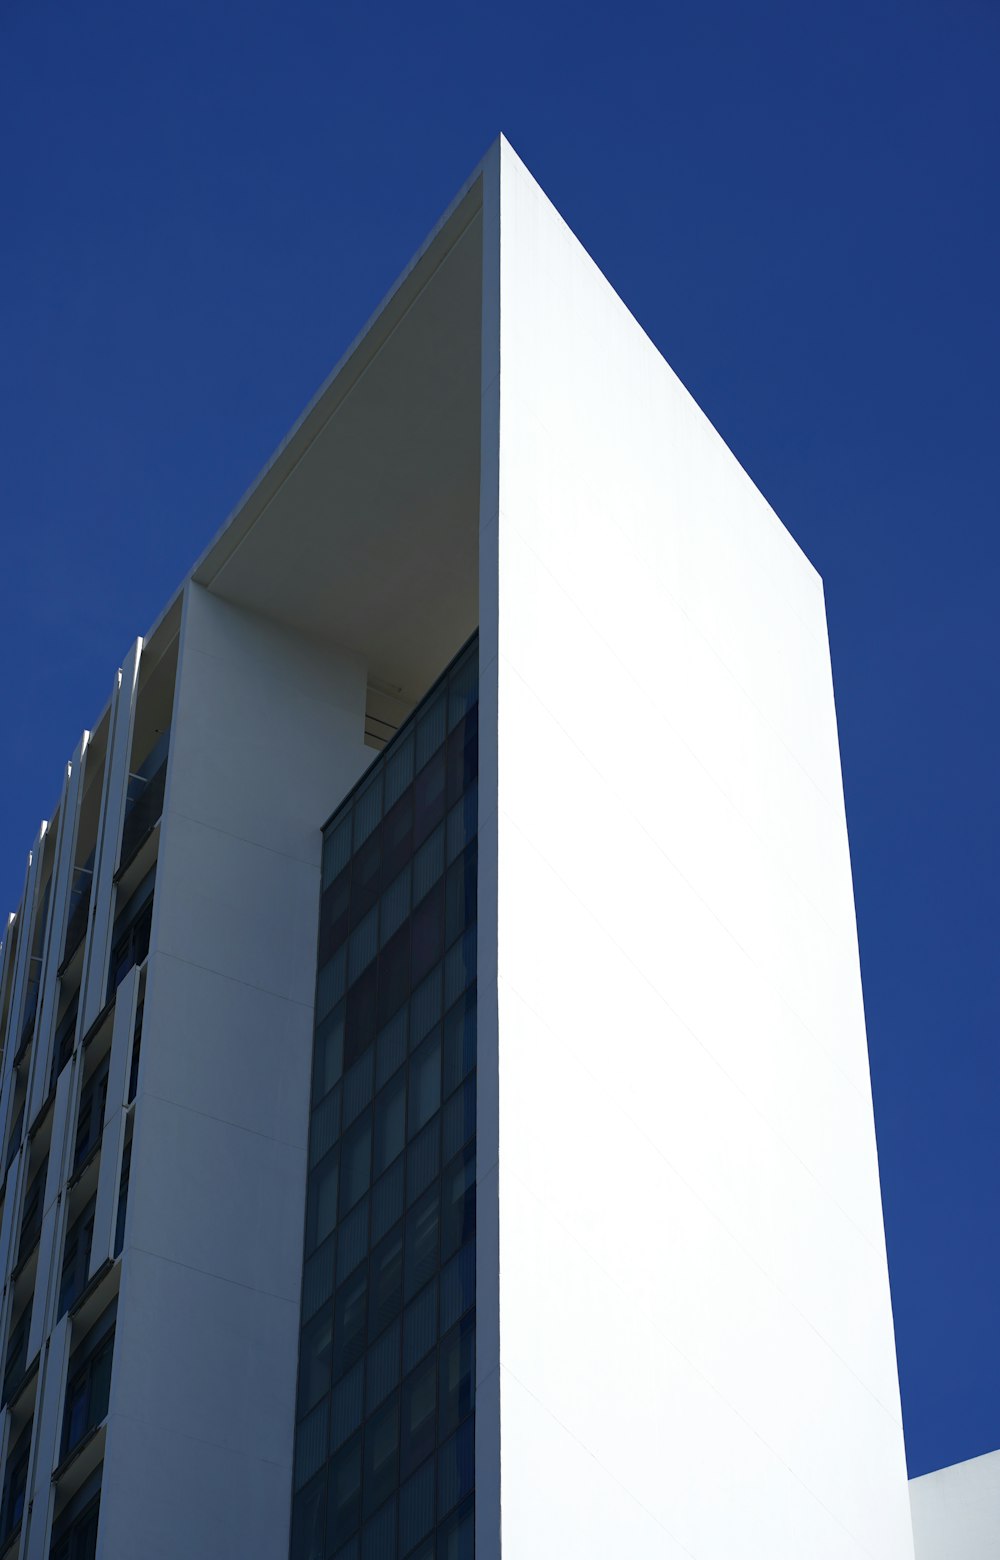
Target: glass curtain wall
x=385 y=1415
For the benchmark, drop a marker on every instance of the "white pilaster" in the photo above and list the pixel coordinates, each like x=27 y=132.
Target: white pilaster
x=115 y=789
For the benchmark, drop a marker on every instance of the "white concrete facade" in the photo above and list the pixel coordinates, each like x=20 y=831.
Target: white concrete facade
x=956 y=1511
x=694 y=1342
x=684 y=1332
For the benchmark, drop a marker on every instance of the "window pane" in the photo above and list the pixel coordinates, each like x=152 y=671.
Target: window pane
x=425 y=1083
x=321 y=1214
x=431 y=727
x=307 y=1522
x=310 y=1443
x=381 y=1451
x=355 y=1163
x=325 y=1127
x=315 y=1358
x=387 y=1200
x=463 y=754
x=358 y=1087
x=397 y=836
x=391 y=1048
x=455 y=1467
x=350 y=1310
x=428 y=797
x=398 y=770
x=352 y=1241
x=419 y=1406
x=423 y=1159
x=426 y=933
x=458 y=1286
x=317 y=1279
x=420 y=1326
x=421 y=1242
x=387 y=1280
x=382 y=1368
x=416 y=1507
x=394 y=974
x=378 y=1541
x=333 y=908
x=347 y=1404
x=459 y=1118
x=344 y=1507
x=459 y=1040
x=458 y=1204
x=328 y=1055
x=460 y=895
x=458 y=1535
x=390 y=1123
x=458 y=1368
x=359 y=1029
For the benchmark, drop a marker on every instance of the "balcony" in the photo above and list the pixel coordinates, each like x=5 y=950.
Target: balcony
x=144 y=802
x=79 y=909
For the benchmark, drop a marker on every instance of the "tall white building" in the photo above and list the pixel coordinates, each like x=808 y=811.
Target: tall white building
x=552 y=1178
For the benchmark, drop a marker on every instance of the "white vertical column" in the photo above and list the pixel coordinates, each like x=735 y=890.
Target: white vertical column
x=5 y=954
x=22 y=965
x=11 y=1210
x=55 y=1203
x=59 y=895
x=267 y=735
x=108 y=837
x=47 y=1436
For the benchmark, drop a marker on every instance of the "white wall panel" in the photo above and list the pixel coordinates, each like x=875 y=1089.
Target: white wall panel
x=694 y=1313
x=267 y=735
x=956 y=1511
x=113 y=1131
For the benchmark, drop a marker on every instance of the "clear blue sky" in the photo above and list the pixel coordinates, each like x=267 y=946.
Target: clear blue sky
x=201 y=203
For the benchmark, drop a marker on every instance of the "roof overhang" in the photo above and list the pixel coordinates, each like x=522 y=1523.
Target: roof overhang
x=363 y=529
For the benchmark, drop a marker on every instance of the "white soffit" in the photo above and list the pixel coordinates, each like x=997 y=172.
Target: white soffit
x=364 y=528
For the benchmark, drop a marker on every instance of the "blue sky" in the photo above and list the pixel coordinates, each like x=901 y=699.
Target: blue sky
x=201 y=204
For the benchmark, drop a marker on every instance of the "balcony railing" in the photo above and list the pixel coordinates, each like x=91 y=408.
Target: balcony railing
x=144 y=802
x=29 y=1010
x=130 y=934
x=65 y=1036
x=79 y=907
x=16 y=1359
x=31 y=1219
x=14 y=1141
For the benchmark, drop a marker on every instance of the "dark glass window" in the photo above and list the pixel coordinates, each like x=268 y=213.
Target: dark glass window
x=79 y=907
x=90 y=1117
x=130 y=934
x=16 y=1357
x=31 y=1217
x=14 y=1141
x=89 y=1384
x=133 y=1074
x=76 y=1258
x=308 y=1522
x=144 y=800
x=62 y=1045
x=384 y=1440
x=122 y=1208
x=74 y=1537
x=15 y=1482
